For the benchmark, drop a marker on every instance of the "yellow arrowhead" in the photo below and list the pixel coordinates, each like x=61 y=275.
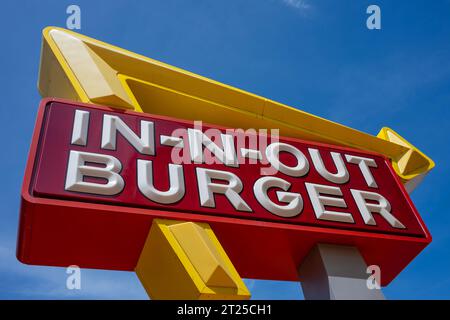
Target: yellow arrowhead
x=412 y=164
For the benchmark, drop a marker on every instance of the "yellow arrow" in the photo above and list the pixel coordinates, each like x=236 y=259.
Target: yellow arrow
x=184 y=260
x=77 y=67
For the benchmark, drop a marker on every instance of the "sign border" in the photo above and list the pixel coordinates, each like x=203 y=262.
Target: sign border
x=218 y=223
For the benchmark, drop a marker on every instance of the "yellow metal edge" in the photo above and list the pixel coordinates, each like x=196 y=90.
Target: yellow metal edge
x=134 y=55
x=383 y=134
x=323 y=138
x=78 y=88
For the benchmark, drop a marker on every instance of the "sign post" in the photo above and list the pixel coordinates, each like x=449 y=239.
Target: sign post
x=332 y=272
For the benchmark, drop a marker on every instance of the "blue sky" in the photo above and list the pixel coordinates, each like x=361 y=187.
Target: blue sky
x=314 y=55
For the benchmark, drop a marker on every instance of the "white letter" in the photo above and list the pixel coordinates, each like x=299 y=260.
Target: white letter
x=111 y=124
x=145 y=183
x=364 y=164
x=80 y=128
x=273 y=152
x=341 y=176
x=227 y=155
x=231 y=190
x=319 y=202
x=171 y=141
x=383 y=208
x=294 y=200
x=74 y=20
x=373 y=21
x=247 y=142
x=77 y=170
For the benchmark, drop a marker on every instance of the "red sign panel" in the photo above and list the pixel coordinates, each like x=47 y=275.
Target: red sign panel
x=96 y=177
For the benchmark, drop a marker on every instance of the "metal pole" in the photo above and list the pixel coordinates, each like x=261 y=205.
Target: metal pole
x=333 y=272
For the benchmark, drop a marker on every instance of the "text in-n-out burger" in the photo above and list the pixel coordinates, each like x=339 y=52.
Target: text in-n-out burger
x=106 y=156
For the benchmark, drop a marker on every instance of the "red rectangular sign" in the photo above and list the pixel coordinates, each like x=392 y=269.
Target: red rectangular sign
x=97 y=177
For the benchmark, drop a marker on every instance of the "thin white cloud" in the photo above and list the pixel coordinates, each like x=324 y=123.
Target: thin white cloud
x=298 y=4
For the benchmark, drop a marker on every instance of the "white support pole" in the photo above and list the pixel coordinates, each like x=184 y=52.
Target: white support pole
x=334 y=272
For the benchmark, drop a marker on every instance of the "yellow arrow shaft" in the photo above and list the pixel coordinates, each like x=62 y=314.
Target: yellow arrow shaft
x=128 y=80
